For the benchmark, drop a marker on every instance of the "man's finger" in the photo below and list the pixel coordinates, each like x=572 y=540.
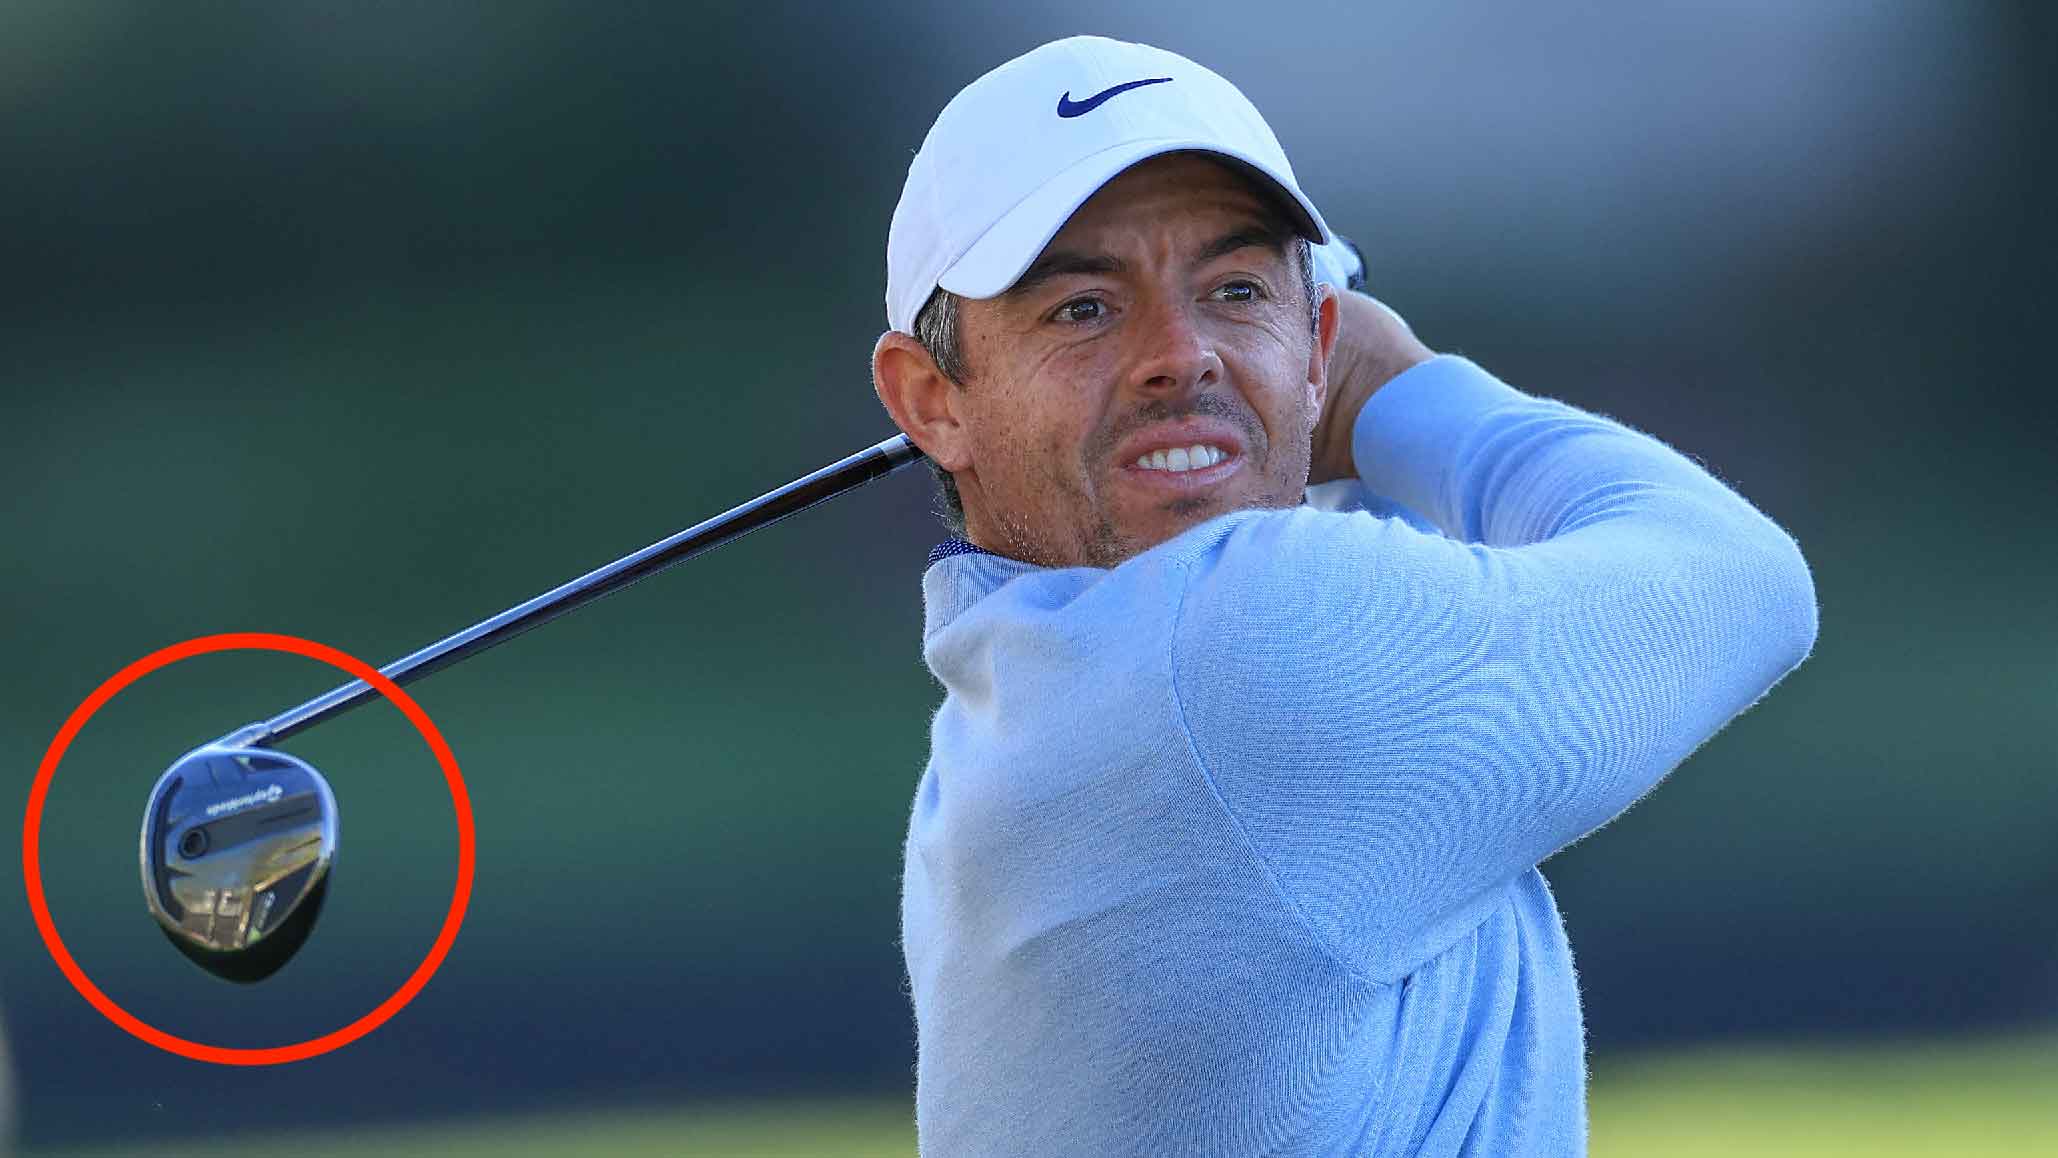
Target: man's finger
x=1342 y=264
x=1339 y=263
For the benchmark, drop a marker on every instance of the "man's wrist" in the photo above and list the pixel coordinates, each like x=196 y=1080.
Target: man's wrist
x=1409 y=440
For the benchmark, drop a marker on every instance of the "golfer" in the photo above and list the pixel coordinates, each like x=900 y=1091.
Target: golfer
x=1228 y=839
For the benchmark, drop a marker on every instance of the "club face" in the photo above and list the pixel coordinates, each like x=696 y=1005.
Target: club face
x=237 y=844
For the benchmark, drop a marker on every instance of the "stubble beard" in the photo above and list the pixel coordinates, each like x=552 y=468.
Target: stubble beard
x=1102 y=545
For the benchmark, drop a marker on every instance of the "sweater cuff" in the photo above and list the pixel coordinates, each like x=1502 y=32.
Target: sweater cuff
x=1408 y=437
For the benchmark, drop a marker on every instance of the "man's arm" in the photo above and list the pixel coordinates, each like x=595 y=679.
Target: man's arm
x=1401 y=722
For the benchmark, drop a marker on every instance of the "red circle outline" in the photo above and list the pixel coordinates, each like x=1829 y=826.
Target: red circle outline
x=32 y=874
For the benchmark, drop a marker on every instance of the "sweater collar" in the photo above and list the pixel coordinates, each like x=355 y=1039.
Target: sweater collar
x=960 y=574
x=955 y=545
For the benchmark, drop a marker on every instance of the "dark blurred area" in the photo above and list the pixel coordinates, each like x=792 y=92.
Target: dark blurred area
x=361 y=322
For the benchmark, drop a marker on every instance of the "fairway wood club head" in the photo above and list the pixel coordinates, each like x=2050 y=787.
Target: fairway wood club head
x=236 y=849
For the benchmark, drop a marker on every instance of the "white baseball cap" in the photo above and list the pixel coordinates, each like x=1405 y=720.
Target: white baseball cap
x=1018 y=150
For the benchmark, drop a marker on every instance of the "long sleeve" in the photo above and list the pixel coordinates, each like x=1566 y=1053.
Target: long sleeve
x=1398 y=721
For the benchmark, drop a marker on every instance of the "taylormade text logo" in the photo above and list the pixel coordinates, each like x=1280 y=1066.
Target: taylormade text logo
x=265 y=795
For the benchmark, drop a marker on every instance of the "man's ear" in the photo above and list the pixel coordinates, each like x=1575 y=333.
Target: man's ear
x=1328 y=312
x=923 y=402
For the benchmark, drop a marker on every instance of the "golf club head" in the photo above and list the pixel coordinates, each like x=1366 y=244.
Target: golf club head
x=236 y=849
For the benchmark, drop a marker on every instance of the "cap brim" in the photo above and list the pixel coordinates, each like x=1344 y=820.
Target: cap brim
x=994 y=261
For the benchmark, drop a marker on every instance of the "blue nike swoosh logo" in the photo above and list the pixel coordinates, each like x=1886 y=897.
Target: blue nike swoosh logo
x=1067 y=107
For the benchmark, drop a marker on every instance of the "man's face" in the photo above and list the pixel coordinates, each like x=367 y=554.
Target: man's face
x=1168 y=314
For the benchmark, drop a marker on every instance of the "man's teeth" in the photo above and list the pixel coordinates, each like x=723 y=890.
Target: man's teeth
x=1182 y=458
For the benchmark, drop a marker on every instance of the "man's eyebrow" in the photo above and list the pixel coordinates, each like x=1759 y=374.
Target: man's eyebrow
x=1249 y=235
x=1058 y=264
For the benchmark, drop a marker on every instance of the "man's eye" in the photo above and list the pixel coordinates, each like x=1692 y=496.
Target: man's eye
x=1081 y=310
x=1241 y=291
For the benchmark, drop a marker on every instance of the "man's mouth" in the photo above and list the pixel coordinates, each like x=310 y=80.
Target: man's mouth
x=1183 y=470
x=1183 y=458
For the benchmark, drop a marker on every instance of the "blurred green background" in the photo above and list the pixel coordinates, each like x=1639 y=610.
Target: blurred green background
x=361 y=322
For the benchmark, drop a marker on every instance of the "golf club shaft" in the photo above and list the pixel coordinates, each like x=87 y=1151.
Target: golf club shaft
x=871 y=463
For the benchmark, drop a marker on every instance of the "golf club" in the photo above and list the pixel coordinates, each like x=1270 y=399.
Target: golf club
x=239 y=841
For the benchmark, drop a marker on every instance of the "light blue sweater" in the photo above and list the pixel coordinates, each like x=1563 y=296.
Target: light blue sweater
x=1231 y=850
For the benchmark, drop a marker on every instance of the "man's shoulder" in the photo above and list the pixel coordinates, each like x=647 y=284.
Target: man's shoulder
x=1333 y=528
x=1345 y=496
x=1259 y=553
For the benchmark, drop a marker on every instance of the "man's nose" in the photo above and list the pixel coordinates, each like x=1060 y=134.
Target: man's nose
x=1175 y=353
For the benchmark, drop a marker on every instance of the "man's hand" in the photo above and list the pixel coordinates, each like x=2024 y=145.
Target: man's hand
x=1373 y=345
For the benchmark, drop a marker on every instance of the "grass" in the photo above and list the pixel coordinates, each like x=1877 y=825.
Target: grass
x=1965 y=1099
x=771 y=1129
x=1961 y=1099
